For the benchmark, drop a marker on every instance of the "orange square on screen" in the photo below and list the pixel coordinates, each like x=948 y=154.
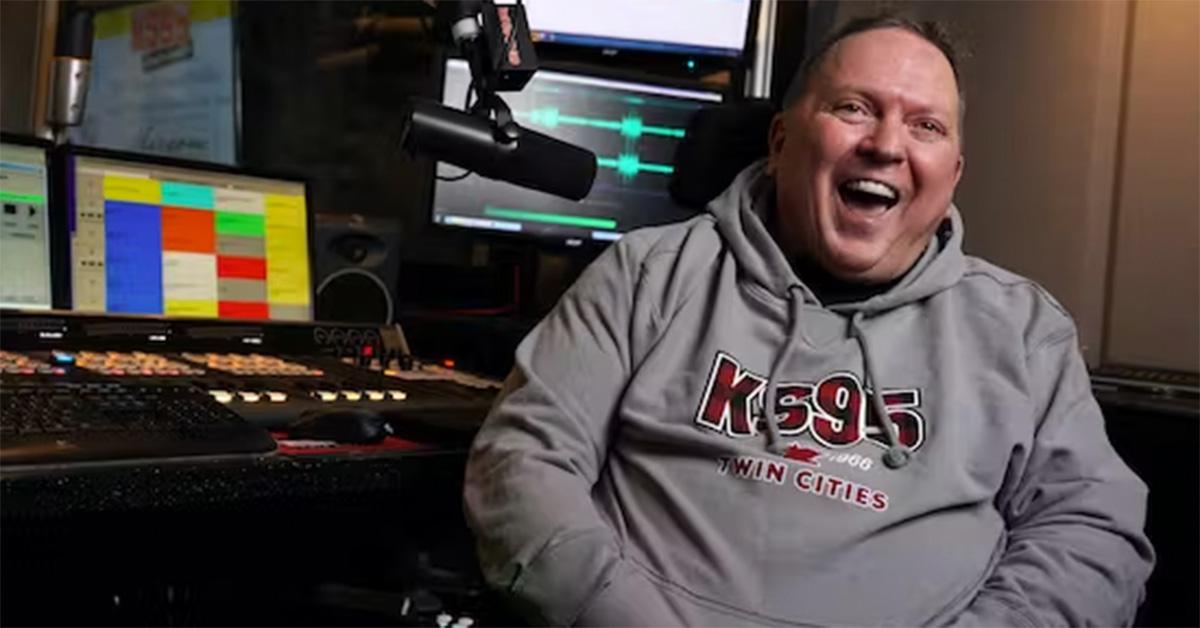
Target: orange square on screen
x=188 y=230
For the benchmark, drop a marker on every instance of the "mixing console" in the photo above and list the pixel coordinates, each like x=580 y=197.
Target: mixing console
x=267 y=374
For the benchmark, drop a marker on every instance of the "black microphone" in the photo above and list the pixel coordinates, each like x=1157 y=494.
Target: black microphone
x=511 y=153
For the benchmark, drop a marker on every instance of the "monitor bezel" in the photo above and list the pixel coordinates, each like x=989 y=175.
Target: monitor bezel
x=587 y=246
x=65 y=169
x=59 y=243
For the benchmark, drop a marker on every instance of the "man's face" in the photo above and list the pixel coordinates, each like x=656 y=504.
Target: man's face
x=867 y=160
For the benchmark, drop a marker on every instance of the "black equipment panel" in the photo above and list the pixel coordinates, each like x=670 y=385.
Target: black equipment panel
x=95 y=388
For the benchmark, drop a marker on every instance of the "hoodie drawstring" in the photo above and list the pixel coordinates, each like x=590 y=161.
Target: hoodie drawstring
x=897 y=455
x=795 y=301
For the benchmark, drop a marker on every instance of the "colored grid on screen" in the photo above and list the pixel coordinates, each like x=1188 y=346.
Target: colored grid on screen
x=183 y=249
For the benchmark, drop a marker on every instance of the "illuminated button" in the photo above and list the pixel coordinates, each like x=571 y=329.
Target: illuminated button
x=224 y=396
x=326 y=395
x=249 y=396
x=276 y=396
x=374 y=395
x=352 y=395
x=397 y=395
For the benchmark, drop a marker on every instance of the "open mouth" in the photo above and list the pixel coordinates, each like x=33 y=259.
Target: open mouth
x=868 y=194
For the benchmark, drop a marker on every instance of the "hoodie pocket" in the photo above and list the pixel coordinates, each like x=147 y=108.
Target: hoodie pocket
x=629 y=598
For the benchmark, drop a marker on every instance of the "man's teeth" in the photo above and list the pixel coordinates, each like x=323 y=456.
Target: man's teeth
x=868 y=186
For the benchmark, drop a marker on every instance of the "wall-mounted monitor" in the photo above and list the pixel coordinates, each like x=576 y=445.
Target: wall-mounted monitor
x=632 y=127
x=172 y=238
x=695 y=27
x=25 y=258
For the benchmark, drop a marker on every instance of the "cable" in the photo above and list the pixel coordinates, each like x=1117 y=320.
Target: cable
x=467 y=102
x=466 y=107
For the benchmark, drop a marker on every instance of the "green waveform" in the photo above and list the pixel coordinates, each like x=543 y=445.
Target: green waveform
x=629 y=165
x=631 y=126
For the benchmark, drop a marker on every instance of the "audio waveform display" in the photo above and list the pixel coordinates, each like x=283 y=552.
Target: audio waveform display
x=629 y=165
x=632 y=128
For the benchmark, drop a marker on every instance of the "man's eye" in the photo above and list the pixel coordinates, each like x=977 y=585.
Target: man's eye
x=928 y=126
x=851 y=108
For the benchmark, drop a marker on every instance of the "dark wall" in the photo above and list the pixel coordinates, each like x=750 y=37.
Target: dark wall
x=1159 y=444
x=19 y=29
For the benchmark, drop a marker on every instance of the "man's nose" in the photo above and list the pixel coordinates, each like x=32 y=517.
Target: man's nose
x=885 y=142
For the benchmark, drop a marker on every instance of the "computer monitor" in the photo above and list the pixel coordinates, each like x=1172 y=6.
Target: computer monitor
x=156 y=236
x=633 y=128
x=696 y=27
x=25 y=273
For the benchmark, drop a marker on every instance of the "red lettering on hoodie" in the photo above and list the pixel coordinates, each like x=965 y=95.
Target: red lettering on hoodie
x=728 y=399
x=840 y=421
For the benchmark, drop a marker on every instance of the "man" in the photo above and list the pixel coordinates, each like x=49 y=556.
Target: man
x=808 y=406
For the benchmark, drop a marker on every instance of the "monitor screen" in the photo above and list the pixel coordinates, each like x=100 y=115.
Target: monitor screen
x=632 y=128
x=698 y=27
x=25 y=279
x=152 y=238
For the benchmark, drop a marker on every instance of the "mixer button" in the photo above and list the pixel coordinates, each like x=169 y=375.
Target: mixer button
x=352 y=395
x=397 y=395
x=249 y=396
x=374 y=395
x=223 y=396
x=326 y=395
x=276 y=396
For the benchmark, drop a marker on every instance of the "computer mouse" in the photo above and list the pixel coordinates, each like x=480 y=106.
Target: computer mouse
x=342 y=425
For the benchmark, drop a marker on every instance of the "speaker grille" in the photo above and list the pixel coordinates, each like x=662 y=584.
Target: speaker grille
x=353 y=295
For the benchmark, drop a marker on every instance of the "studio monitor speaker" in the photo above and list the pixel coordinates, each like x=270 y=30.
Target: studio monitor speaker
x=357 y=268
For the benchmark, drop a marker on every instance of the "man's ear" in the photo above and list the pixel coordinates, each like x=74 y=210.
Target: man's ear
x=775 y=139
x=958 y=169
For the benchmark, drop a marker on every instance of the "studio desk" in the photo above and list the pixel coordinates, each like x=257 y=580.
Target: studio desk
x=147 y=475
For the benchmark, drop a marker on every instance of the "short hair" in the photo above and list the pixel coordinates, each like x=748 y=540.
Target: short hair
x=933 y=32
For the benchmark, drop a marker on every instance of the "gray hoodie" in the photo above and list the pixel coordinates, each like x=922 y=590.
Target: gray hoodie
x=629 y=475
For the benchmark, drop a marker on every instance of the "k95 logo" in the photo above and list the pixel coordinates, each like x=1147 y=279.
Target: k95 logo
x=836 y=410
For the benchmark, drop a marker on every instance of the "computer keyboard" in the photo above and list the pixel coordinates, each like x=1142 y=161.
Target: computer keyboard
x=49 y=422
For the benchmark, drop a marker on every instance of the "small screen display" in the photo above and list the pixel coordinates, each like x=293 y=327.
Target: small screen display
x=697 y=27
x=633 y=128
x=24 y=228
x=158 y=239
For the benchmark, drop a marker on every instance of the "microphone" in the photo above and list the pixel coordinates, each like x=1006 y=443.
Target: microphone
x=72 y=64
x=506 y=153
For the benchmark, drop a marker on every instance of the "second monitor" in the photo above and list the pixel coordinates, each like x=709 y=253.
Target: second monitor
x=150 y=236
x=632 y=128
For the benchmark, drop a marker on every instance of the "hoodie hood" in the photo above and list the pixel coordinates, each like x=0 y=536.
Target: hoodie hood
x=741 y=212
